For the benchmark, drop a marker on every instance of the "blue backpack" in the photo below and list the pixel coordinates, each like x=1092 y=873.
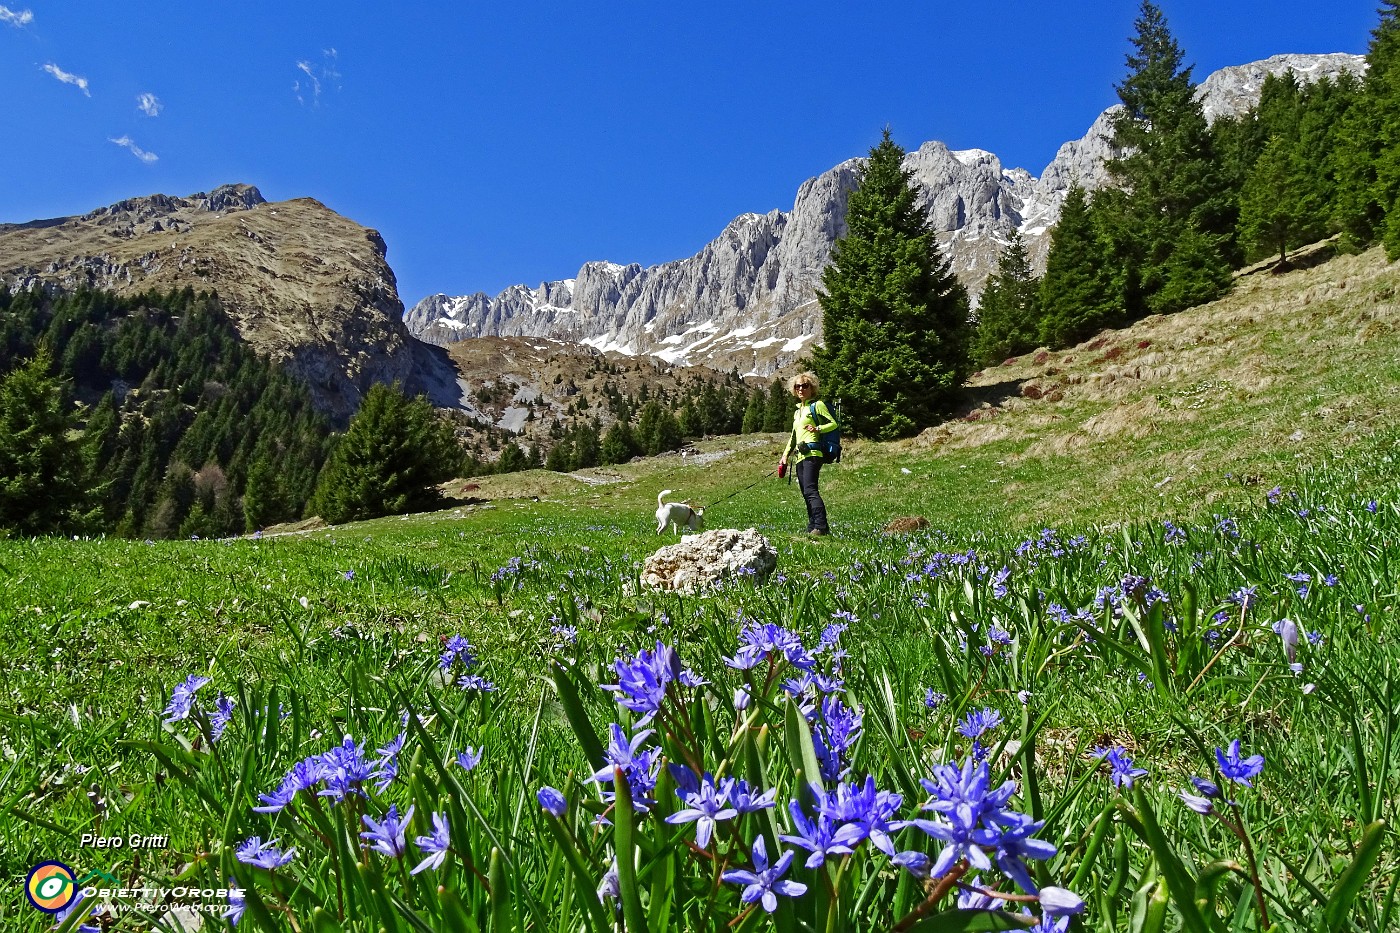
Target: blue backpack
x=830 y=442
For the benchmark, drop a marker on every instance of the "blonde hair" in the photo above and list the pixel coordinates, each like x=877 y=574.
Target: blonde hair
x=808 y=377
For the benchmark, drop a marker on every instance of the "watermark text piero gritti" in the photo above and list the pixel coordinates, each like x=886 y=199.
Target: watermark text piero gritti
x=133 y=841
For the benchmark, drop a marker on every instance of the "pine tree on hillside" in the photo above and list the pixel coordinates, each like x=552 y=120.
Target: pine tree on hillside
x=657 y=429
x=1008 y=321
x=1175 y=191
x=1278 y=205
x=618 y=445
x=777 y=413
x=1078 y=294
x=753 y=412
x=895 y=317
x=512 y=459
x=393 y=454
x=265 y=498
x=42 y=470
x=586 y=452
x=559 y=457
x=1383 y=105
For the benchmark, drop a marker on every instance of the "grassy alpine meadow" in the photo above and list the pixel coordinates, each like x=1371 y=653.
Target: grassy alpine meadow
x=1138 y=672
x=476 y=720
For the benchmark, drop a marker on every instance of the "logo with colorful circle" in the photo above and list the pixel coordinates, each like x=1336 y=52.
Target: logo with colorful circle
x=51 y=886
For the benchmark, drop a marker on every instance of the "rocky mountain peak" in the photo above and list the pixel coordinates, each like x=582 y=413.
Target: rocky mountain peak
x=747 y=299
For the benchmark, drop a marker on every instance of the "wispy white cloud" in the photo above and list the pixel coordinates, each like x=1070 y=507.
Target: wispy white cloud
x=16 y=17
x=77 y=81
x=149 y=104
x=317 y=76
x=126 y=143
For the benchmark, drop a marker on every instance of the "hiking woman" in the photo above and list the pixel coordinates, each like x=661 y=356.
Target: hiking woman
x=810 y=421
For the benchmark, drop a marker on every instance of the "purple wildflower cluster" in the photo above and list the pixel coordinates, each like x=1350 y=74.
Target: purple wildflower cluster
x=639 y=767
x=182 y=698
x=764 y=883
x=971 y=818
x=708 y=802
x=261 y=854
x=1048 y=544
x=458 y=660
x=972 y=822
x=340 y=772
x=976 y=724
x=183 y=705
x=642 y=680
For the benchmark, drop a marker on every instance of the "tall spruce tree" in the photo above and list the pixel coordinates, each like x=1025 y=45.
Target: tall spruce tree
x=1278 y=205
x=1078 y=293
x=1383 y=107
x=393 y=454
x=895 y=318
x=1008 y=321
x=42 y=470
x=1175 y=193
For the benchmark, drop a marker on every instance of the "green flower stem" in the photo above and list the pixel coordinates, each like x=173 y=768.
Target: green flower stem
x=833 y=886
x=1237 y=827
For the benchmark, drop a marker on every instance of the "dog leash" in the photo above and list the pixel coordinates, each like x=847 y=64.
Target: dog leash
x=745 y=489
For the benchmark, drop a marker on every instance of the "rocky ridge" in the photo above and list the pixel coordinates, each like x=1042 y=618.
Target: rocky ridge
x=748 y=298
x=304 y=285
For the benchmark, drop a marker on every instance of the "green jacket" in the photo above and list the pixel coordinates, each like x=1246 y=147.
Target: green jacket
x=802 y=417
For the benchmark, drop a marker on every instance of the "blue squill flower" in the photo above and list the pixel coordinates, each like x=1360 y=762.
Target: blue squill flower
x=866 y=808
x=743 y=798
x=552 y=801
x=638 y=766
x=1015 y=843
x=967 y=808
x=764 y=884
x=220 y=717
x=182 y=698
x=820 y=836
x=456 y=650
x=261 y=854
x=704 y=807
x=435 y=846
x=344 y=769
x=1060 y=902
x=1123 y=772
x=642 y=680
x=1238 y=769
x=979 y=721
x=387 y=836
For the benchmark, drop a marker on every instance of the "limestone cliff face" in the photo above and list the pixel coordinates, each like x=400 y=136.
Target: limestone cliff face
x=303 y=284
x=748 y=298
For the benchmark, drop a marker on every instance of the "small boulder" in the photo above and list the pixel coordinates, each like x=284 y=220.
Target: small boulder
x=698 y=562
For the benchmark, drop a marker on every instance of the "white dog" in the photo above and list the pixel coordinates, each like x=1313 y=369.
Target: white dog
x=677 y=514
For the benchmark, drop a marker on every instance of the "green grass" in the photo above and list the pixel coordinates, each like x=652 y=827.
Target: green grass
x=337 y=631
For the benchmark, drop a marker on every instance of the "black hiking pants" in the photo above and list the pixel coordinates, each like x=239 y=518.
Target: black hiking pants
x=807 y=472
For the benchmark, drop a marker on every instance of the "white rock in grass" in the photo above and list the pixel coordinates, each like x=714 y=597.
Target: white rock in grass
x=700 y=561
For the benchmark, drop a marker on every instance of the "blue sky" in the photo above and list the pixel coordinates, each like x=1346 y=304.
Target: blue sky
x=496 y=144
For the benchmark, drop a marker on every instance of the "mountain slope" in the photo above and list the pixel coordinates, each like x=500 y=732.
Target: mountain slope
x=304 y=285
x=747 y=299
x=1177 y=416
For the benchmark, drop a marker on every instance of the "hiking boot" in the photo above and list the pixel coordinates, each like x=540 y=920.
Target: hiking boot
x=818 y=533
